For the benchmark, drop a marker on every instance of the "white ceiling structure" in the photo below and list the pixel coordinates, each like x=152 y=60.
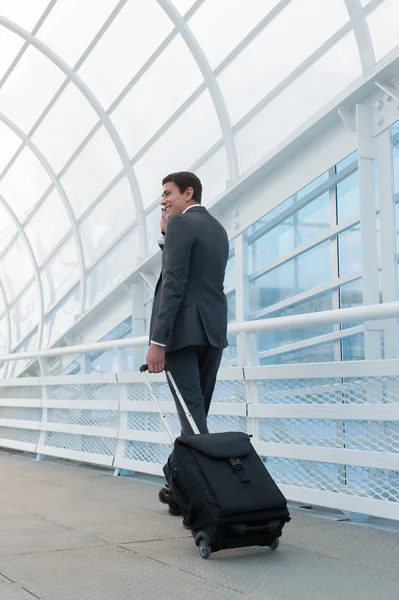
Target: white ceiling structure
x=99 y=99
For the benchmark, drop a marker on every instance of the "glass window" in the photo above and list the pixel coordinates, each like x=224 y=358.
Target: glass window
x=230 y=276
x=25 y=313
x=348 y=202
x=199 y=123
x=300 y=274
x=10 y=45
x=113 y=268
x=154 y=98
x=214 y=174
x=274 y=339
x=211 y=19
x=16 y=269
x=34 y=77
x=92 y=170
x=61 y=318
x=307 y=223
x=183 y=5
x=349 y=251
x=9 y=143
x=108 y=220
x=124 y=48
x=346 y=162
x=351 y=295
x=24 y=183
x=313 y=185
x=383 y=23
x=3 y=336
x=48 y=226
x=396 y=168
x=313 y=354
x=65 y=126
x=278 y=50
x=24 y=12
x=353 y=347
x=307 y=95
x=60 y=273
x=82 y=19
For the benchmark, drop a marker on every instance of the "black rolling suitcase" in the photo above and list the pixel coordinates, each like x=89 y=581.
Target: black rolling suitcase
x=222 y=487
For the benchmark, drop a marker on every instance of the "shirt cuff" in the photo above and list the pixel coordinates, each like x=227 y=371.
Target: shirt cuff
x=158 y=344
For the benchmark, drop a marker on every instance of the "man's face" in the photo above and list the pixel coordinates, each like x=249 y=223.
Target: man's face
x=173 y=201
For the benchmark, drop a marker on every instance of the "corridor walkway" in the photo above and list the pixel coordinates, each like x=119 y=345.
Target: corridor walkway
x=75 y=533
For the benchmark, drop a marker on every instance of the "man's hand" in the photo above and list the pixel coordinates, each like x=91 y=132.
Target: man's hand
x=163 y=223
x=155 y=359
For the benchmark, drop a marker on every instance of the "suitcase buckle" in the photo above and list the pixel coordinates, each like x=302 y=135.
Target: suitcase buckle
x=236 y=464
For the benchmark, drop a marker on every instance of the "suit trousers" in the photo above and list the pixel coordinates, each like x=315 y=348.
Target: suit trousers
x=194 y=369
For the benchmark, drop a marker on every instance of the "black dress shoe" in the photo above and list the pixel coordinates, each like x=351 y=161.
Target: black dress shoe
x=163 y=495
x=186 y=524
x=174 y=508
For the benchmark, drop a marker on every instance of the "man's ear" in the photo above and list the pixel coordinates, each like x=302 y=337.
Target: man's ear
x=190 y=193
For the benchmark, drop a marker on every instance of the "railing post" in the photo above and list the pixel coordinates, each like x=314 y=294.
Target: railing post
x=368 y=226
x=44 y=370
x=122 y=415
x=388 y=240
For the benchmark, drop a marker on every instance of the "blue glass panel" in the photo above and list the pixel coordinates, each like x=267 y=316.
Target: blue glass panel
x=353 y=347
x=230 y=275
x=349 y=251
x=346 y=161
x=396 y=169
x=313 y=185
x=275 y=339
x=307 y=223
x=348 y=203
x=314 y=354
x=298 y=275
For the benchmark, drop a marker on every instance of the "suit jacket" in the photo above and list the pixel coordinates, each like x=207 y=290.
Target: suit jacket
x=190 y=307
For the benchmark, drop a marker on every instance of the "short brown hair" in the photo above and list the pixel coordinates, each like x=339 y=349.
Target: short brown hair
x=184 y=180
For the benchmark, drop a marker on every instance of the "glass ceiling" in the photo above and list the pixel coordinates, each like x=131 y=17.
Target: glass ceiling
x=100 y=99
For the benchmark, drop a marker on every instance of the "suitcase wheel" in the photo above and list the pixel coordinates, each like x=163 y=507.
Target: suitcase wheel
x=274 y=544
x=204 y=549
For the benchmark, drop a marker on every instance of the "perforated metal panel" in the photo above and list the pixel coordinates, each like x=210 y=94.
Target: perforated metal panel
x=148 y=452
x=81 y=443
x=27 y=436
x=331 y=434
x=104 y=391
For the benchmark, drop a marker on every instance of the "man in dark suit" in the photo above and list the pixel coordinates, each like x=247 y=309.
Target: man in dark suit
x=189 y=317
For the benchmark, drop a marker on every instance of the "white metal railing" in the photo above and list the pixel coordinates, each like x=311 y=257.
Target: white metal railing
x=373 y=312
x=328 y=432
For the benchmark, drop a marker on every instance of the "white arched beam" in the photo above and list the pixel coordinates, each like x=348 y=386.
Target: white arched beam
x=102 y=115
x=362 y=35
x=65 y=200
x=35 y=266
x=210 y=80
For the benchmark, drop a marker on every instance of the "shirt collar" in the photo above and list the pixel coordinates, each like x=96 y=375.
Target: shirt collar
x=188 y=207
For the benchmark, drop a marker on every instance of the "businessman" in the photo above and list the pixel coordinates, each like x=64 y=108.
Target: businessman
x=189 y=317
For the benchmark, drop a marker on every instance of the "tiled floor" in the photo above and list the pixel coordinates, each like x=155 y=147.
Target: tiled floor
x=73 y=533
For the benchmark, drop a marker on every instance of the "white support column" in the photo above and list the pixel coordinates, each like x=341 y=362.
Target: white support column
x=388 y=240
x=334 y=262
x=368 y=227
x=138 y=321
x=247 y=349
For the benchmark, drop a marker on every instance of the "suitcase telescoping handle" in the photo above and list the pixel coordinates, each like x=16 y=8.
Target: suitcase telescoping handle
x=169 y=376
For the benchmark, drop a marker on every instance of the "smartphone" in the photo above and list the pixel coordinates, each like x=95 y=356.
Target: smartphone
x=163 y=211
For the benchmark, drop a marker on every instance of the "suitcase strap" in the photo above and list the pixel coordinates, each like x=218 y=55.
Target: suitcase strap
x=239 y=468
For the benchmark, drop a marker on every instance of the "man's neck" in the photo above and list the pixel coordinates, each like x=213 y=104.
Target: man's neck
x=190 y=206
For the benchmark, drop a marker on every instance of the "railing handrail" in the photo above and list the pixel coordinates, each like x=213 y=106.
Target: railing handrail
x=371 y=312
